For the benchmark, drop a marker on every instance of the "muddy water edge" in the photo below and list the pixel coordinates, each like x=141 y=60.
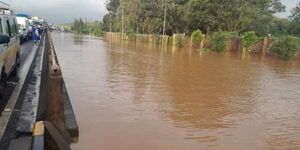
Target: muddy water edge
x=133 y=96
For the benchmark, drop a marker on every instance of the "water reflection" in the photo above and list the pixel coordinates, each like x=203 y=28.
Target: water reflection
x=78 y=39
x=144 y=96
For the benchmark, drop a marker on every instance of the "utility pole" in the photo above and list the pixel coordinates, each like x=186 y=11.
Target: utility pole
x=122 y=20
x=165 y=16
x=109 y=22
x=90 y=27
x=86 y=22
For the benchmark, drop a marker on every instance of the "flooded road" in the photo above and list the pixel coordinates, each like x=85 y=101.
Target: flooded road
x=139 y=97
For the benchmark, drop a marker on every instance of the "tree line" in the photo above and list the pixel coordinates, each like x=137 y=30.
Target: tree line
x=186 y=16
x=84 y=27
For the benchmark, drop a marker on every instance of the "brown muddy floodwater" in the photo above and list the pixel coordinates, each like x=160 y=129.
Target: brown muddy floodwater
x=139 y=97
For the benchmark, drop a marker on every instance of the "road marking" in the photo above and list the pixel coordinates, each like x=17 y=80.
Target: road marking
x=38 y=129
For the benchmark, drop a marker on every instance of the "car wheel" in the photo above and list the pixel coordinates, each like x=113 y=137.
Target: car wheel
x=17 y=65
x=3 y=83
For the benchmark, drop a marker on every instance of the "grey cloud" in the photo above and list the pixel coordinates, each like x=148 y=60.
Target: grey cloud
x=64 y=11
x=61 y=11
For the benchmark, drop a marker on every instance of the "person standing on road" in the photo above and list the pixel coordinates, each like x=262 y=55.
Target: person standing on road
x=35 y=34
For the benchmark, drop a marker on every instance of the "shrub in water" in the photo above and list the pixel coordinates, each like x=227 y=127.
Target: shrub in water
x=249 y=38
x=197 y=36
x=180 y=41
x=286 y=47
x=85 y=31
x=218 y=41
x=203 y=50
x=143 y=38
x=169 y=40
x=157 y=39
x=131 y=36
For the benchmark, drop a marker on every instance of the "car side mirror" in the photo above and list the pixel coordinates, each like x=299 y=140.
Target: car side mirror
x=4 y=39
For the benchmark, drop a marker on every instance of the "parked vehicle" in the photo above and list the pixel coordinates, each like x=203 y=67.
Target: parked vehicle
x=24 y=27
x=9 y=45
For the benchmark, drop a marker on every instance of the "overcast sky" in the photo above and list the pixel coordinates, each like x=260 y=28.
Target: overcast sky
x=64 y=11
x=61 y=11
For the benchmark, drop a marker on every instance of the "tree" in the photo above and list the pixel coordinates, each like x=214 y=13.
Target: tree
x=296 y=14
x=112 y=5
x=185 y=16
x=237 y=15
x=295 y=17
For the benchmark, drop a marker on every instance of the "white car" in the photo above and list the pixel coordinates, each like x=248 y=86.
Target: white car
x=9 y=47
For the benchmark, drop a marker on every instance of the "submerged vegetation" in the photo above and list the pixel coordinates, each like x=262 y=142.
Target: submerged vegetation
x=186 y=16
x=249 y=38
x=203 y=50
x=197 y=36
x=218 y=40
x=286 y=47
x=246 y=20
x=81 y=27
x=180 y=41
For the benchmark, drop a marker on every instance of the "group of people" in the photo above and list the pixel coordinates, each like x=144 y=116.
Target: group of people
x=36 y=33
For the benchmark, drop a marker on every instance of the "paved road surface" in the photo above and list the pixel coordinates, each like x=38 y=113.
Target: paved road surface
x=25 y=50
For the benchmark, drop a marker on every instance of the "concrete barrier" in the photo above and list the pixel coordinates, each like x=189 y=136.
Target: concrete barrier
x=48 y=136
x=60 y=111
x=55 y=139
x=47 y=119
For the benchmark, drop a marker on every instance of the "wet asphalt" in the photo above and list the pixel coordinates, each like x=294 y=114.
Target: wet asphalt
x=26 y=47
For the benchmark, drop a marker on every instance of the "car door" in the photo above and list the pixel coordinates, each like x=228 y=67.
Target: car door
x=14 y=41
x=8 y=60
x=2 y=46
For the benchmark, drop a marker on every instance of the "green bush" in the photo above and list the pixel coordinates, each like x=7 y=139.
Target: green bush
x=85 y=31
x=170 y=40
x=197 y=36
x=286 y=47
x=218 y=40
x=203 y=50
x=131 y=37
x=143 y=38
x=180 y=40
x=231 y=34
x=249 y=38
x=157 y=39
x=99 y=33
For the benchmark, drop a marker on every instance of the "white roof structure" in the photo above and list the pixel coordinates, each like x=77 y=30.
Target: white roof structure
x=4 y=5
x=5 y=9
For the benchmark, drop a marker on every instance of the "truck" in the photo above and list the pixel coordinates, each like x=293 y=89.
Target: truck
x=24 y=27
